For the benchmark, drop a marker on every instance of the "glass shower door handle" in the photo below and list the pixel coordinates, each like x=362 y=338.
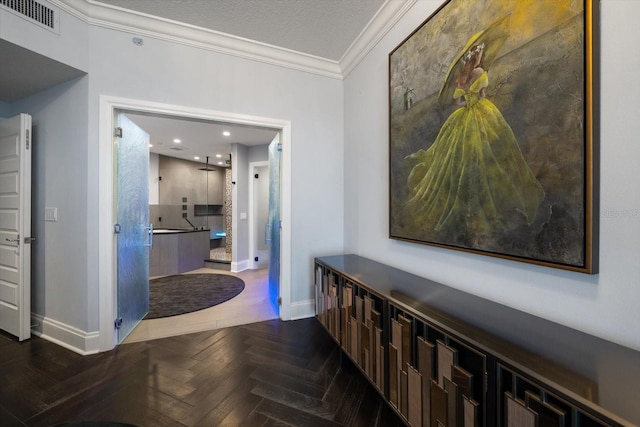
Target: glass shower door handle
x=149 y=231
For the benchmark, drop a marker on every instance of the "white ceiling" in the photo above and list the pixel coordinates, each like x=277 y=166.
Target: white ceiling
x=24 y=73
x=325 y=29
x=197 y=137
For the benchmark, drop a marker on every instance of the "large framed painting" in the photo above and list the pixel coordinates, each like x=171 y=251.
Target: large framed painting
x=492 y=132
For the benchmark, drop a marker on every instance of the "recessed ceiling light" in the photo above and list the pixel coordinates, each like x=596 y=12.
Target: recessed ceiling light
x=221 y=163
x=219 y=156
x=226 y=133
x=196 y=158
x=177 y=141
x=150 y=145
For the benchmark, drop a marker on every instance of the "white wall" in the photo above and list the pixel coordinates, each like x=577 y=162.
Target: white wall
x=62 y=293
x=258 y=153
x=67 y=264
x=175 y=74
x=59 y=179
x=606 y=304
x=261 y=213
x=240 y=204
x=243 y=155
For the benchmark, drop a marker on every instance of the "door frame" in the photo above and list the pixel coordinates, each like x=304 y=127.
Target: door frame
x=107 y=262
x=252 y=211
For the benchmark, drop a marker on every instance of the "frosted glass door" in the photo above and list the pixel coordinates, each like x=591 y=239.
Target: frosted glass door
x=274 y=222
x=134 y=237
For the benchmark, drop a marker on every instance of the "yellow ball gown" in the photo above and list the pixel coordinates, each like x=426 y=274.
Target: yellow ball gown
x=473 y=181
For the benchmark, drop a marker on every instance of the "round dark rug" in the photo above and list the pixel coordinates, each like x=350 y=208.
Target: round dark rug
x=185 y=293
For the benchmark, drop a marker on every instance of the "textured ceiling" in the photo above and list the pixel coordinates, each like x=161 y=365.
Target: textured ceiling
x=323 y=28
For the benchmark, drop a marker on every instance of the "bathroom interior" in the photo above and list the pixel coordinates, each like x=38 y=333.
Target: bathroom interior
x=187 y=196
x=191 y=191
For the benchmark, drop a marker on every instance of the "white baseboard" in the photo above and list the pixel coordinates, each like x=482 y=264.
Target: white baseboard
x=239 y=266
x=303 y=309
x=67 y=336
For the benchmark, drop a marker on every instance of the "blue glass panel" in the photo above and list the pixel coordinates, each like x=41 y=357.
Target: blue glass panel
x=132 y=189
x=274 y=222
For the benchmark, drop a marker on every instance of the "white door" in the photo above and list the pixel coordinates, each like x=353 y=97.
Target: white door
x=260 y=217
x=15 y=226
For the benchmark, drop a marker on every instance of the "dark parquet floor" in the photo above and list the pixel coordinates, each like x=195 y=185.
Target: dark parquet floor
x=265 y=374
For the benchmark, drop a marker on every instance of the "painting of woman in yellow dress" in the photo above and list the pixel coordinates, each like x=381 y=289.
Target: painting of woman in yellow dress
x=473 y=180
x=491 y=125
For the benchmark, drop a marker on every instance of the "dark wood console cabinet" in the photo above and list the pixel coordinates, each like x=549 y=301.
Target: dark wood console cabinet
x=443 y=357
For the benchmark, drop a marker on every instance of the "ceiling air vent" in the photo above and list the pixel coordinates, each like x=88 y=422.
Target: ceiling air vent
x=34 y=11
x=176 y=148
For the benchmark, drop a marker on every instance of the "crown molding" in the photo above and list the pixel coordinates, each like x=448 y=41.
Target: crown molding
x=144 y=25
x=386 y=17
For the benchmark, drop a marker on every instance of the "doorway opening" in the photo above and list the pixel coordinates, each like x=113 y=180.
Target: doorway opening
x=107 y=265
x=259 y=226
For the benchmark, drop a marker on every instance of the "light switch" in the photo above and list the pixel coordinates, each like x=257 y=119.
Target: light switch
x=50 y=214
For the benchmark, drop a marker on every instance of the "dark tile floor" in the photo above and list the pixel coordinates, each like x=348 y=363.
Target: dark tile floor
x=264 y=374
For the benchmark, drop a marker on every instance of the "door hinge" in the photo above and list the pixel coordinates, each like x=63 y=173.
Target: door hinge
x=118 y=323
x=279 y=147
x=117 y=132
x=28 y=240
x=279 y=300
x=116 y=228
x=28 y=138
